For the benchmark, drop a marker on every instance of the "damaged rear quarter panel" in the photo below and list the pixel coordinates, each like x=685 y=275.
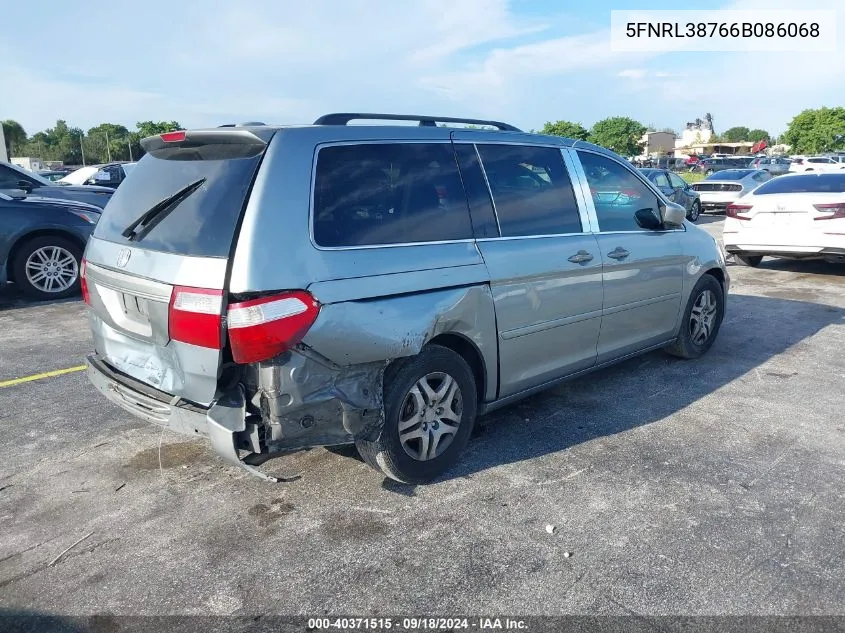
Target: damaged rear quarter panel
x=381 y=329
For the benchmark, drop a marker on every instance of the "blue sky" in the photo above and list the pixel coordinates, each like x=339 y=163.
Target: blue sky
x=206 y=62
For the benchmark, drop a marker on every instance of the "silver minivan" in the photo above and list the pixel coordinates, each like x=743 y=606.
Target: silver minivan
x=275 y=288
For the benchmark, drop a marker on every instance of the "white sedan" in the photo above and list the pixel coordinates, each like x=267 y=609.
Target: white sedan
x=722 y=188
x=794 y=216
x=824 y=164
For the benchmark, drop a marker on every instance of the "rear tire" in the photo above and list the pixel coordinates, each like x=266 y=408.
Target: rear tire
x=702 y=319
x=748 y=260
x=48 y=268
x=432 y=398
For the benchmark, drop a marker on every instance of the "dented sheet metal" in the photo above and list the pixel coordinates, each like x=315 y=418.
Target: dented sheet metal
x=306 y=400
x=361 y=332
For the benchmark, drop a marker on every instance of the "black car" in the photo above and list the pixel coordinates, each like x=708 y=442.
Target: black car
x=16 y=182
x=41 y=243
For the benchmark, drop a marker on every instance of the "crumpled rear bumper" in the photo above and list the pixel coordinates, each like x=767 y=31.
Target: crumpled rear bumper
x=223 y=423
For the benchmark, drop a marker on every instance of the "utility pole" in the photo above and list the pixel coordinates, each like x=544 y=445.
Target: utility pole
x=129 y=145
x=81 y=148
x=108 y=149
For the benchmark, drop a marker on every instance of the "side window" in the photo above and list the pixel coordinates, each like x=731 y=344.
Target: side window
x=9 y=178
x=388 y=193
x=532 y=192
x=661 y=180
x=677 y=181
x=617 y=193
x=478 y=196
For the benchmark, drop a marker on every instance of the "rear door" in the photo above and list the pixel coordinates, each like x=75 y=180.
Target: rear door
x=156 y=266
x=544 y=265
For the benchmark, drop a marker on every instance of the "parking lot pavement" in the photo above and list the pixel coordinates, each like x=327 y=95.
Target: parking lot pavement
x=708 y=487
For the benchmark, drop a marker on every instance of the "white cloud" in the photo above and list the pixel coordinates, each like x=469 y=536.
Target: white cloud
x=290 y=62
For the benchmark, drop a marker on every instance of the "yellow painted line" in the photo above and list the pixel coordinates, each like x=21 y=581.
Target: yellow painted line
x=46 y=374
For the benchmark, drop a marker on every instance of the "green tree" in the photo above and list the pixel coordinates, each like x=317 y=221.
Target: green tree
x=756 y=135
x=111 y=141
x=566 y=129
x=814 y=131
x=151 y=128
x=619 y=133
x=14 y=136
x=735 y=134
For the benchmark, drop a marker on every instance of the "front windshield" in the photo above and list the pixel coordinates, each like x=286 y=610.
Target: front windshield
x=32 y=175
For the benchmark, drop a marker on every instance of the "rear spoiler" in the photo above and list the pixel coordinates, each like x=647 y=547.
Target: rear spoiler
x=198 y=138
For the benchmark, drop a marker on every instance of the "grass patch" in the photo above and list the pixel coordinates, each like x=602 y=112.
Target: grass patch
x=691 y=176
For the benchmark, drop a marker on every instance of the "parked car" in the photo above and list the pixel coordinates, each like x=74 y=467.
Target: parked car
x=824 y=164
x=51 y=175
x=677 y=190
x=110 y=175
x=775 y=165
x=711 y=165
x=15 y=182
x=274 y=288
x=719 y=190
x=79 y=176
x=797 y=216
x=41 y=243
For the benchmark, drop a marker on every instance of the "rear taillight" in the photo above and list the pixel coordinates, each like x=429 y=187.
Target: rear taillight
x=832 y=211
x=83 y=283
x=737 y=211
x=195 y=316
x=260 y=329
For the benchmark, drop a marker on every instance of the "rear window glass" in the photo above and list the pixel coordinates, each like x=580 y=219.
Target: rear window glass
x=204 y=222
x=531 y=190
x=730 y=174
x=388 y=193
x=821 y=183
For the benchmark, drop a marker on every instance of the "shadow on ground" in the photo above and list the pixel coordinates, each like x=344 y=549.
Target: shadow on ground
x=641 y=390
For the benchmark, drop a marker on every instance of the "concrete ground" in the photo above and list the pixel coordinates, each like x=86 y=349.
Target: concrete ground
x=708 y=487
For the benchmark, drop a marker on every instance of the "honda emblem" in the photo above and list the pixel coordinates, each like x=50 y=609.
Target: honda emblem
x=123 y=257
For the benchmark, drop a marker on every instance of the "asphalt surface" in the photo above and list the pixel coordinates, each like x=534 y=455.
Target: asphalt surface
x=708 y=487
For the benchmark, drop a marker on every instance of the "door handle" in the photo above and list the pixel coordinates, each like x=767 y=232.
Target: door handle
x=581 y=257
x=618 y=253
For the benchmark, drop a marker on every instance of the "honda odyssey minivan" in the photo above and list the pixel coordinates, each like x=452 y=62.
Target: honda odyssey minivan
x=274 y=288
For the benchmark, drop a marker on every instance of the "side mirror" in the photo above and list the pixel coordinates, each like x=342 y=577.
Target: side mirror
x=672 y=215
x=25 y=185
x=648 y=219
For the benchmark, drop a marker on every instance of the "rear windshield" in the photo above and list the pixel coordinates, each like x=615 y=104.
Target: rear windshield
x=821 y=183
x=204 y=222
x=730 y=174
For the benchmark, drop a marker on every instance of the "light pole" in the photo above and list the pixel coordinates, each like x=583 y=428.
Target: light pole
x=108 y=149
x=81 y=148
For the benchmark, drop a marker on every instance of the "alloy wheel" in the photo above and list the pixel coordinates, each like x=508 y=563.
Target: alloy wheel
x=703 y=317
x=51 y=269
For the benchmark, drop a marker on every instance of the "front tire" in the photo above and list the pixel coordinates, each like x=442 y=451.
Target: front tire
x=694 y=212
x=48 y=268
x=702 y=319
x=430 y=404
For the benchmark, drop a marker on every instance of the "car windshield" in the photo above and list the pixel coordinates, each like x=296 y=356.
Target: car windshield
x=804 y=183
x=730 y=174
x=33 y=175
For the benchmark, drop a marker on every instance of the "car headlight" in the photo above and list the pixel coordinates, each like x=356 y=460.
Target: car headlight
x=89 y=216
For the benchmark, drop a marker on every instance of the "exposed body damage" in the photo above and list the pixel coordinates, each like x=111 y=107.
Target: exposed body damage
x=307 y=397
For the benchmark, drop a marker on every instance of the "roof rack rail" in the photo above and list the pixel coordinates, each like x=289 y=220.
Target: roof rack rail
x=246 y=124
x=343 y=118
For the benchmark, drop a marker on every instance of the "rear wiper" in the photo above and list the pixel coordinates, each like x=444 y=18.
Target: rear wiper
x=147 y=222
